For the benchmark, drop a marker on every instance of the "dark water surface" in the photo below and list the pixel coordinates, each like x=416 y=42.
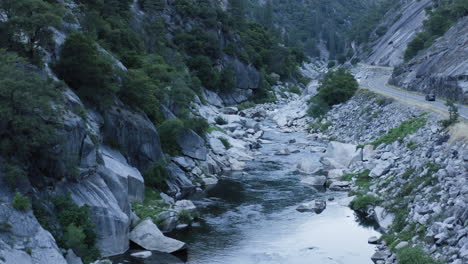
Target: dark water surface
x=250 y=217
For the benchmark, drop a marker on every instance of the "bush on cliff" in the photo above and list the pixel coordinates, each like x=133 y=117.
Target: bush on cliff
x=337 y=87
x=85 y=69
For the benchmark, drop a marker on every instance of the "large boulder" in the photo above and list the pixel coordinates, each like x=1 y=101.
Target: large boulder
x=317 y=206
x=309 y=166
x=383 y=218
x=192 y=145
x=340 y=155
x=112 y=221
x=134 y=133
x=148 y=236
x=178 y=184
x=315 y=181
x=380 y=169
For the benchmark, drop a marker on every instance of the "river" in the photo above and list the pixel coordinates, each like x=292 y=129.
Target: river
x=250 y=217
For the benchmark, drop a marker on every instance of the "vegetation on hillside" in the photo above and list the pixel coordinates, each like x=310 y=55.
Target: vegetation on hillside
x=441 y=17
x=337 y=87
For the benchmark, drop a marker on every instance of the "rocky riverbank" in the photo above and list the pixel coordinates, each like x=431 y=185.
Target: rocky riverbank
x=408 y=174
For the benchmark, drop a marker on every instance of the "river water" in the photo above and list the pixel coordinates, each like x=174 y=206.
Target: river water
x=250 y=216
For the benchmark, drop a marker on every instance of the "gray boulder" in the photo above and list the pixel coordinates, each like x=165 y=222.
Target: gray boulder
x=72 y=258
x=133 y=132
x=178 y=183
x=148 y=236
x=192 y=145
x=340 y=155
x=317 y=206
x=315 y=181
x=380 y=169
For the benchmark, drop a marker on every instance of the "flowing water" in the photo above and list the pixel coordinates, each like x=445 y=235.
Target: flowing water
x=250 y=216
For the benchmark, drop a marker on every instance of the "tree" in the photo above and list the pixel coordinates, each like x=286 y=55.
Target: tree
x=26 y=113
x=29 y=24
x=21 y=202
x=84 y=68
x=337 y=87
x=237 y=8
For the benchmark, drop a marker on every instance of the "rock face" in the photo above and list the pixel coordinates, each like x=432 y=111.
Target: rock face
x=402 y=26
x=192 y=145
x=133 y=132
x=441 y=69
x=148 y=236
x=22 y=239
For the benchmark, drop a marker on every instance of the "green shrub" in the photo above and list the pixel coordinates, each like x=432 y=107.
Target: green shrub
x=245 y=105
x=156 y=175
x=21 y=202
x=14 y=175
x=26 y=113
x=75 y=221
x=74 y=238
x=362 y=203
x=337 y=87
x=85 y=69
x=225 y=142
x=414 y=255
x=169 y=130
x=453 y=115
x=317 y=107
x=5 y=227
x=197 y=124
x=407 y=127
x=185 y=217
x=331 y=64
x=220 y=121
x=294 y=89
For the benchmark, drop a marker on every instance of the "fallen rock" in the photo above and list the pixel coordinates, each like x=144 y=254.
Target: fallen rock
x=367 y=152
x=381 y=169
x=373 y=240
x=340 y=186
x=283 y=152
x=316 y=206
x=148 y=236
x=185 y=205
x=379 y=256
x=401 y=245
x=340 y=155
x=315 y=181
x=308 y=166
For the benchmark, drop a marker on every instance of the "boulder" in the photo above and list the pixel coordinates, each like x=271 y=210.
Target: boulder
x=192 y=145
x=340 y=155
x=135 y=133
x=367 y=152
x=185 y=205
x=212 y=98
x=148 y=236
x=72 y=258
x=373 y=240
x=340 y=186
x=283 y=152
x=379 y=256
x=315 y=181
x=309 y=166
x=383 y=218
x=178 y=184
x=335 y=174
x=380 y=169
x=317 y=206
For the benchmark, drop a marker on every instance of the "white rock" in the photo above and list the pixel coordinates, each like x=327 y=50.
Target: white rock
x=316 y=206
x=315 y=181
x=340 y=155
x=380 y=169
x=335 y=173
x=185 y=205
x=148 y=236
x=402 y=244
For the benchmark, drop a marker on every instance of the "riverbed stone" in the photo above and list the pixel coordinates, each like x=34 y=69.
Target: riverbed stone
x=340 y=155
x=148 y=236
x=315 y=181
x=317 y=206
x=142 y=254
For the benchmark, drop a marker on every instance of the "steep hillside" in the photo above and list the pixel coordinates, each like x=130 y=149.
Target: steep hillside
x=400 y=26
x=441 y=69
